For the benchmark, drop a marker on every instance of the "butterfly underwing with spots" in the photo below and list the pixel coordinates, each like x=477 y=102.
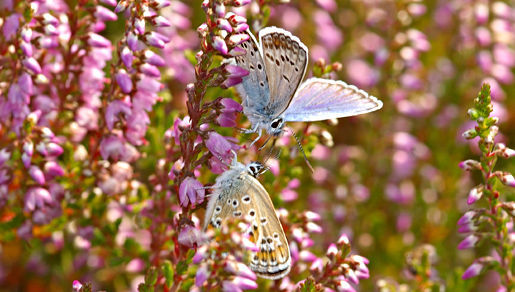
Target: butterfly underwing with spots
x=273 y=92
x=237 y=193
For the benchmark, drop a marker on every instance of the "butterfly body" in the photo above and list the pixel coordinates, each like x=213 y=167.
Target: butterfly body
x=273 y=92
x=237 y=193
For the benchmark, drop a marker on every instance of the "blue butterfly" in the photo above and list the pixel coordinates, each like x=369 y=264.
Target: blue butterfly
x=273 y=93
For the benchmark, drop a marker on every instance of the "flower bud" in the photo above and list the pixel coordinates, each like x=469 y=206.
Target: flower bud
x=469 y=134
x=474 y=195
x=470 y=164
x=220 y=45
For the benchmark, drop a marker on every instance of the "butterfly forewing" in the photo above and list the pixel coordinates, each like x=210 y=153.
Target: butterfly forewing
x=286 y=59
x=243 y=196
x=254 y=88
x=321 y=99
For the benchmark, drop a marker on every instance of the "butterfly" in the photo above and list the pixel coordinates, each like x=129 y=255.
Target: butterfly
x=273 y=92
x=237 y=193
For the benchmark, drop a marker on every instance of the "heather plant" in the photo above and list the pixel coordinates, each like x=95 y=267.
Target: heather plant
x=494 y=223
x=116 y=118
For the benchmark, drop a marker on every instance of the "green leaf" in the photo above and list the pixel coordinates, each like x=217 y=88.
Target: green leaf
x=151 y=276
x=168 y=272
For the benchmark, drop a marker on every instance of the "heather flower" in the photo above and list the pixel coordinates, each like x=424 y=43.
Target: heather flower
x=472 y=271
x=190 y=236
x=469 y=242
x=191 y=192
x=220 y=147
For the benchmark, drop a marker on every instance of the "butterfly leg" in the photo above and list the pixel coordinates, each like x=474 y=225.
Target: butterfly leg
x=257 y=139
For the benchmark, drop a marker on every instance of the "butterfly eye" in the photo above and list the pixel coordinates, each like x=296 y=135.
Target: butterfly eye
x=275 y=123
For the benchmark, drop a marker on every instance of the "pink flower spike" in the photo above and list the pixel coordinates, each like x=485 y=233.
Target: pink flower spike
x=105 y=14
x=124 y=81
x=37 y=175
x=98 y=41
x=220 y=45
x=32 y=65
x=469 y=242
x=472 y=271
x=76 y=286
x=474 y=195
x=191 y=191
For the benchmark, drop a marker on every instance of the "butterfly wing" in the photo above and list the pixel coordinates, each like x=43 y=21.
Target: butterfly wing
x=321 y=99
x=245 y=196
x=286 y=60
x=253 y=89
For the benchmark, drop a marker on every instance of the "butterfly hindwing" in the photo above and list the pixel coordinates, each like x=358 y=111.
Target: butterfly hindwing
x=241 y=195
x=321 y=99
x=286 y=60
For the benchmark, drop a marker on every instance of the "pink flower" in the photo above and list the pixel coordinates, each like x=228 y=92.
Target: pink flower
x=472 y=271
x=201 y=276
x=124 y=81
x=98 y=41
x=239 y=284
x=220 y=147
x=37 y=197
x=469 y=242
x=239 y=269
x=474 y=195
x=220 y=45
x=37 y=175
x=114 y=109
x=11 y=25
x=105 y=14
x=190 y=236
x=76 y=286
x=191 y=191
x=53 y=169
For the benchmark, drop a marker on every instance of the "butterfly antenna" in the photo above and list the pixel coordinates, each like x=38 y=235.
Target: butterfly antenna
x=301 y=149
